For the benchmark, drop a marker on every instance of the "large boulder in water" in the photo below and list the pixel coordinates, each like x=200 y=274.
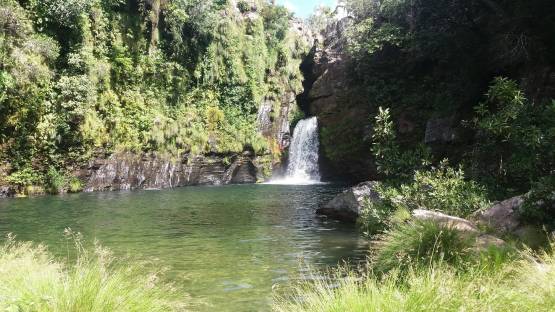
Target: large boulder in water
x=348 y=205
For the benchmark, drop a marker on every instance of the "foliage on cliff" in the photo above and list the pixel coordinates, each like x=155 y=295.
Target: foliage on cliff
x=78 y=78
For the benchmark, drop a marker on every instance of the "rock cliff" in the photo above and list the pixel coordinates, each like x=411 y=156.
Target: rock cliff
x=342 y=115
x=131 y=171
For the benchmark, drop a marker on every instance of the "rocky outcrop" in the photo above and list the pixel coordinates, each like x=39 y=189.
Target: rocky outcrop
x=7 y=191
x=460 y=224
x=131 y=171
x=348 y=205
x=503 y=217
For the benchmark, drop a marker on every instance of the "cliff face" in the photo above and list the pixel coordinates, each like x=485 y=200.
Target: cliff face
x=342 y=114
x=131 y=171
x=432 y=81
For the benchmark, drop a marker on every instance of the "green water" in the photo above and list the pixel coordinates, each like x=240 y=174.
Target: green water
x=228 y=247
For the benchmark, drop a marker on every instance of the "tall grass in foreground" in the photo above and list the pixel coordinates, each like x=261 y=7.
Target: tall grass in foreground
x=32 y=280
x=527 y=284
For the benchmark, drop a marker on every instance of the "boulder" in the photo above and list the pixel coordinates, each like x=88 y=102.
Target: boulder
x=503 y=217
x=7 y=191
x=485 y=241
x=460 y=224
x=347 y=206
x=466 y=227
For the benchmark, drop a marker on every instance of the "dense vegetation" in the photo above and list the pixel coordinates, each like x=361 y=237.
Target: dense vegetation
x=485 y=69
x=89 y=78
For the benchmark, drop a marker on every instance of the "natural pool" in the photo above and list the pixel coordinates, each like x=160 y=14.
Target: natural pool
x=228 y=247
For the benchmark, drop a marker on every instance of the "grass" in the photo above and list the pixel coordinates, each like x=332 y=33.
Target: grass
x=31 y=279
x=423 y=243
x=527 y=284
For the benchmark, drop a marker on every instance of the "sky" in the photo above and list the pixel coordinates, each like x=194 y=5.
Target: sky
x=303 y=8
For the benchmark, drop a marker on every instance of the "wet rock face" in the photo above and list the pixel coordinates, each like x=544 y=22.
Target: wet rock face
x=129 y=171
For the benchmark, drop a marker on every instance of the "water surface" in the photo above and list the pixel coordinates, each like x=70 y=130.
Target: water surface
x=227 y=246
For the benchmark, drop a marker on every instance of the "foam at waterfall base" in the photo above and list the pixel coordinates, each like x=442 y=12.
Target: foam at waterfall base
x=294 y=181
x=303 y=155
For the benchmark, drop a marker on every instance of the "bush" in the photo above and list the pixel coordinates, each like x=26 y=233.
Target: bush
x=443 y=189
x=515 y=140
x=539 y=207
x=375 y=216
x=391 y=161
x=75 y=185
x=32 y=280
x=55 y=181
x=422 y=243
x=24 y=177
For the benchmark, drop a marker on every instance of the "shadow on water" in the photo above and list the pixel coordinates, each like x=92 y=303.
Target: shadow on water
x=227 y=246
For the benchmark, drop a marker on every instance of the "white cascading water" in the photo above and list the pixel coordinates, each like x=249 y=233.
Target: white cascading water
x=303 y=155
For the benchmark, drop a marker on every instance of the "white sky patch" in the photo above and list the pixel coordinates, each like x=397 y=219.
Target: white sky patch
x=290 y=6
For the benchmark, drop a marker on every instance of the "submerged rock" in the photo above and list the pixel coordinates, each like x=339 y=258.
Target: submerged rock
x=347 y=206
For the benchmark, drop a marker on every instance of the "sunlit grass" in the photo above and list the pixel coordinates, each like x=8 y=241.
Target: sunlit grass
x=32 y=280
x=526 y=284
x=426 y=267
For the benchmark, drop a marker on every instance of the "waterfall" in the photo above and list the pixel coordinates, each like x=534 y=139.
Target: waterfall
x=303 y=154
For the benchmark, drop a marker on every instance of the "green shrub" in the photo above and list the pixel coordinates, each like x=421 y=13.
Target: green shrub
x=375 y=216
x=55 y=181
x=243 y=6
x=25 y=177
x=539 y=207
x=391 y=161
x=443 y=189
x=75 y=185
x=515 y=140
x=422 y=243
x=32 y=280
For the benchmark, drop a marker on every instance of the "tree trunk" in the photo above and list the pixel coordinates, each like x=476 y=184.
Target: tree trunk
x=154 y=20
